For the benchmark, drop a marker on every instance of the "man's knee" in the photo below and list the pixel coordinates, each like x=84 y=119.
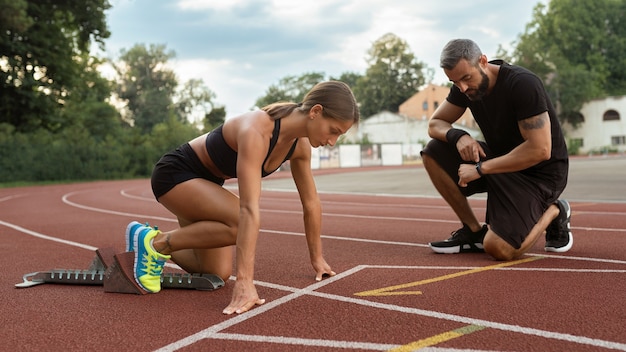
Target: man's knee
x=497 y=247
x=428 y=161
x=435 y=148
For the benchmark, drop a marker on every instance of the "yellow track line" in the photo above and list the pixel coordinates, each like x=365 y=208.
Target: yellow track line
x=392 y=290
x=437 y=339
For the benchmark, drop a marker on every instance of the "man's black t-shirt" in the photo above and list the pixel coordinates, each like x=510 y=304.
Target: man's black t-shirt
x=517 y=95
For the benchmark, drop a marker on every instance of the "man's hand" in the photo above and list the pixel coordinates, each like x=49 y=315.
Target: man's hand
x=470 y=149
x=467 y=174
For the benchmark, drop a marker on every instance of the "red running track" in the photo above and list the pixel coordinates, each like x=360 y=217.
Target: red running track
x=391 y=291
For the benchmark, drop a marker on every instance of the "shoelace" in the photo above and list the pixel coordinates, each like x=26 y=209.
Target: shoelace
x=153 y=265
x=457 y=234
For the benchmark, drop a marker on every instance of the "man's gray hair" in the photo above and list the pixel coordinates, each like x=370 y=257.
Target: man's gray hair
x=458 y=49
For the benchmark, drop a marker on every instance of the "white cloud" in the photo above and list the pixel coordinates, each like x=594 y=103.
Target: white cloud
x=208 y=4
x=240 y=47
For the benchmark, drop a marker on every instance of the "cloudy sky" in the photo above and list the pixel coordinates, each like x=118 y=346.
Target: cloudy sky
x=240 y=47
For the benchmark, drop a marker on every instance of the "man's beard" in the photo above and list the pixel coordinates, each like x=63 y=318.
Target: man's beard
x=481 y=91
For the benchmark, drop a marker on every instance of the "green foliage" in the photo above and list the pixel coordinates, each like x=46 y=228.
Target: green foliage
x=146 y=84
x=56 y=122
x=40 y=42
x=290 y=89
x=349 y=78
x=194 y=100
x=573 y=146
x=579 y=49
x=215 y=118
x=14 y=16
x=42 y=155
x=170 y=134
x=74 y=154
x=393 y=76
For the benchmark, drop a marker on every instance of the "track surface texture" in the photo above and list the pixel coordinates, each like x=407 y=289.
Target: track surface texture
x=391 y=293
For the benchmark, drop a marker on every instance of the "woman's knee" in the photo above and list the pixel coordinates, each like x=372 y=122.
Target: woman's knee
x=219 y=261
x=232 y=232
x=224 y=273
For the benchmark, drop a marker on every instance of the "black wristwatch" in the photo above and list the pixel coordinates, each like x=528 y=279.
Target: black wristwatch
x=478 y=166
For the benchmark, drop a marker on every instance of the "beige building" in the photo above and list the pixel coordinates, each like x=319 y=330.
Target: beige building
x=423 y=104
x=410 y=124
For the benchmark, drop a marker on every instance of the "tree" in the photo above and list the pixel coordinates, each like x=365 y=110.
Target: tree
x=214 y=118
x=579 y=49
x=88 y=105
x=290 y=89
x=393 y=76
x=14 y=16
x=40 y=42
x=349 y=78
x=146 y=84
x=194 y=101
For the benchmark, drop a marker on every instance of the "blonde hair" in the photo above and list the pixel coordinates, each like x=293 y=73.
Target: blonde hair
x=334 y=96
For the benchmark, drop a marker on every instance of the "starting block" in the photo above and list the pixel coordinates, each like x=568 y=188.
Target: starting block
x=115 y=273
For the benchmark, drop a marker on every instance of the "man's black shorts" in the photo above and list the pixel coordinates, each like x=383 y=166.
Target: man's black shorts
x=515 y=201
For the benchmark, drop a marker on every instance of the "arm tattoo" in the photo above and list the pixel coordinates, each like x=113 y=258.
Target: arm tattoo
x=533 y=123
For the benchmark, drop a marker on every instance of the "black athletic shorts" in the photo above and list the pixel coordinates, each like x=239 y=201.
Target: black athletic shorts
x=178 y=166
x=515 y=201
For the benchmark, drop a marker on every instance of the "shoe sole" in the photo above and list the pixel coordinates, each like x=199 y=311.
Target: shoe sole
x=563 y=249
x=457 y=249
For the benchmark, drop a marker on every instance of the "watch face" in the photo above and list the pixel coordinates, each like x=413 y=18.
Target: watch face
x=478 y=166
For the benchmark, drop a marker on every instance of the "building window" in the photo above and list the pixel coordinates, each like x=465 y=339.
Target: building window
x=425 y=105
x=436 y=105
x=610 y=115
x=579 y=142
x=618 y=140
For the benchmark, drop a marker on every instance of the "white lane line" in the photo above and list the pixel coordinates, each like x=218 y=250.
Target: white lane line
x=142 y=216
x=480 y=322
x=125 y=193
x=213 y=332
x=214 y=329
x=66 y=200
x=46 y=237
x=283 y=340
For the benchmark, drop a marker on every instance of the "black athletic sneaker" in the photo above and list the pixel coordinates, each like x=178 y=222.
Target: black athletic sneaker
x=462 y=240
x=558 y=234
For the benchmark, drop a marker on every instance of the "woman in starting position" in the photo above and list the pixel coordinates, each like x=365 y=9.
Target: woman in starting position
x=188 y=182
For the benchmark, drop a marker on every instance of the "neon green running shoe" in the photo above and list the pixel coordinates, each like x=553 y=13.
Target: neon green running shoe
x=148 y=262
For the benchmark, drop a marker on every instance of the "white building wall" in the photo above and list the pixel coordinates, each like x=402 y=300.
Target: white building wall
x=596 y=133
x=387 y=127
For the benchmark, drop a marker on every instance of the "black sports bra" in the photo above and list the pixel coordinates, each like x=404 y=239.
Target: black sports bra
x=225 y=158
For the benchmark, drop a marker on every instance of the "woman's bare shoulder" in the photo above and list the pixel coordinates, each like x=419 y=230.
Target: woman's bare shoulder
x=250 y=118
x=257 y=121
